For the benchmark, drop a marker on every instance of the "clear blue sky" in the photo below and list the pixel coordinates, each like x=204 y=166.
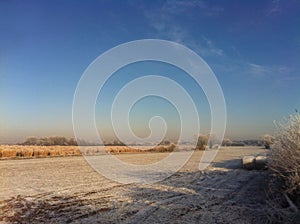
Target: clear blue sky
x=252 y=46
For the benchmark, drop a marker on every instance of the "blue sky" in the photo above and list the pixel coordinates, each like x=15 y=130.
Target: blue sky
x=253 y=47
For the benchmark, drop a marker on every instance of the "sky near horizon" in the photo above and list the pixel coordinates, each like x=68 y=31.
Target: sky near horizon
x=253 y=47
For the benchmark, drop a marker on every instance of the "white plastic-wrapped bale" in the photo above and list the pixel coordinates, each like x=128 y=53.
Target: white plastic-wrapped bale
x=248 y=162
x=254 y=162
x=260 y=162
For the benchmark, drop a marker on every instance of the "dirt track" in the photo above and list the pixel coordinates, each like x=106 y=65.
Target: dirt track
x=68 y=190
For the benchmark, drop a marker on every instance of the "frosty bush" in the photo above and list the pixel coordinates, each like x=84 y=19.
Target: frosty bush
x=284 y=157
x=268 y=140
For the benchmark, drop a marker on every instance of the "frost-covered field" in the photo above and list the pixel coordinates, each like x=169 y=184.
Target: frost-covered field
x=67 y=189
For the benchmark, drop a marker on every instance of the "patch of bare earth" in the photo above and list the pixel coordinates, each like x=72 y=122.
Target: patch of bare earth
x=68 y=190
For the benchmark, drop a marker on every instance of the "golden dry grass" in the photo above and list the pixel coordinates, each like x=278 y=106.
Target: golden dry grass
x=20 y=151
x=127 y=149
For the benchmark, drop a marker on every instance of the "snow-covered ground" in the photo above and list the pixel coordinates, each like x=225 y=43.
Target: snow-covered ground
x=68 y=190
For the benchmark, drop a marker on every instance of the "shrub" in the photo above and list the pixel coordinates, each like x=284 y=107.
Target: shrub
x=31 y=141
x=115 y=143
x=162 y=148
x=268 y=140
x=50 y=141
x=226 y=142
x=165 y=142
x=171 y=147
x=237 y=143
x=202 y=142
x=284 y=157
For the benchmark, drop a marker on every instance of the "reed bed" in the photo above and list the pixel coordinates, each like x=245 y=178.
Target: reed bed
x=21 y=151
